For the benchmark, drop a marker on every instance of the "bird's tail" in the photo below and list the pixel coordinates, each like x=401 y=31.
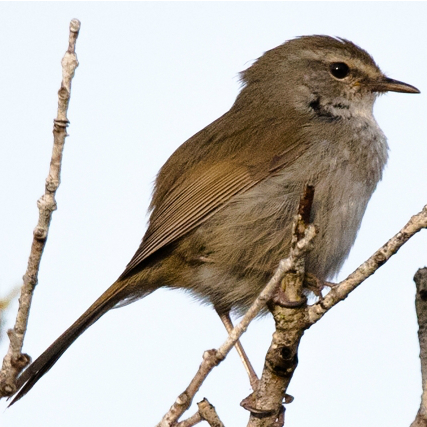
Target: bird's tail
x=49 y=357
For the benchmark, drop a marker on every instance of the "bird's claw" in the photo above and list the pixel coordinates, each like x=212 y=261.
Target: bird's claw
x=281 y=299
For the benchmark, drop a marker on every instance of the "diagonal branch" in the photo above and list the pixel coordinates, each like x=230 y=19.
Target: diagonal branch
x=15 y=360
x=340 y=291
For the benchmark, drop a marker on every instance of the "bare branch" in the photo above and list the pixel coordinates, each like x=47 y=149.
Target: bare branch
x=265 y=403
x=212 y=358
x=382 y=255
x=420 y=279
x=15 y=360
x=289 y=311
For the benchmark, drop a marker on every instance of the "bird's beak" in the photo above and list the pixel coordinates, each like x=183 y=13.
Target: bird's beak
x=384 y=84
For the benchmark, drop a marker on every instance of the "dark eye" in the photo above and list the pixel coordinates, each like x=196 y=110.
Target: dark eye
x=339 y=70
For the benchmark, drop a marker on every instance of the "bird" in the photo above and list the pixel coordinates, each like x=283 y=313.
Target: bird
x=223 y=203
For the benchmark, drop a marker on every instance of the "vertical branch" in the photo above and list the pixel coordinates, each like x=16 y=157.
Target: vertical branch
x=420 y=279
x=15 y=360
x=289 y=310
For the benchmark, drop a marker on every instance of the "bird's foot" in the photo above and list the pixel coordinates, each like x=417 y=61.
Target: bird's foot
x=315 y=285
x=280 y=298
x=249 y=403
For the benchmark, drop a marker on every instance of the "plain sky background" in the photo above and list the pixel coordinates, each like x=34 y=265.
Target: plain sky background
x=150 y=76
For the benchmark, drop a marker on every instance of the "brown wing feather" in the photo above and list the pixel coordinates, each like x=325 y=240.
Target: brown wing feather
x=189 y=206
x=200 y=178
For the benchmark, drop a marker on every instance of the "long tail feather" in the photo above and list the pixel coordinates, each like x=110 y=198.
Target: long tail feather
x=49 y=357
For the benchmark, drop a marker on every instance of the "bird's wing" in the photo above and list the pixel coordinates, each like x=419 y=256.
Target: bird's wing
x=187 y=206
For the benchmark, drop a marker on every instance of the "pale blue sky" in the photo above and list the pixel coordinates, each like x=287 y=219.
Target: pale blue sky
x=150 y=76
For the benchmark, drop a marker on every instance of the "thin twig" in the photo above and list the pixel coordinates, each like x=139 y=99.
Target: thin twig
x=15 y=360
x=340 y=291
x=420 y=279
x=212 y=358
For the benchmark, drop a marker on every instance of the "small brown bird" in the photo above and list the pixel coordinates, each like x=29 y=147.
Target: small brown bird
x=223 y=203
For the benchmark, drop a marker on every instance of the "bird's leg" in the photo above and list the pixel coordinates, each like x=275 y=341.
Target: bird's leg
x=253 y=379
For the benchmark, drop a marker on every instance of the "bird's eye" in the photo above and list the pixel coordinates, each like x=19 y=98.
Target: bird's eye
x=339 y=70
